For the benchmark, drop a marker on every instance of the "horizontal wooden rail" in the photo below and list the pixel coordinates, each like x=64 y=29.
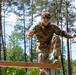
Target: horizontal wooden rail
x=28 y=65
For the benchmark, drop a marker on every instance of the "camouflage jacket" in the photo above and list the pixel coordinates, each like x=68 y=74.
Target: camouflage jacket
x=44 y=34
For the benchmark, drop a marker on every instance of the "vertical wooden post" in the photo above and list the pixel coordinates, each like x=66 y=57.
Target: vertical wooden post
x=52 y=72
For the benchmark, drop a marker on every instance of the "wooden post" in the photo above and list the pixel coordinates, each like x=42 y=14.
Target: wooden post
x=52 y=71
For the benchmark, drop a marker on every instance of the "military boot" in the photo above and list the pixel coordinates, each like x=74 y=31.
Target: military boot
x=55 y=60
x=42 y=73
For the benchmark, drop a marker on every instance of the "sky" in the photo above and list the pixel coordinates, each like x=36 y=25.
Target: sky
x=11 y=20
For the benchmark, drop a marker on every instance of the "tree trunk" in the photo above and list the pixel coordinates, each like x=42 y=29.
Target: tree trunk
x=62 y=59
x=31 y=58
x=68 y=52
x=0 y=31
x=25 y=54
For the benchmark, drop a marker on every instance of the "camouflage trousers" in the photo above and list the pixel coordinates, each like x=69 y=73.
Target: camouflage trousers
x=53 y=47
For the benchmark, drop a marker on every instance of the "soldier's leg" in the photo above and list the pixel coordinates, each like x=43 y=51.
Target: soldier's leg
x=42 y=58
x=56 y=48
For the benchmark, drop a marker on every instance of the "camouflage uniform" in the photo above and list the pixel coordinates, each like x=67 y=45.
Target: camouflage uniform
x=46 y=43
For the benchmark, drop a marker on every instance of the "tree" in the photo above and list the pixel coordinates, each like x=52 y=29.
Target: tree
x=14 y=53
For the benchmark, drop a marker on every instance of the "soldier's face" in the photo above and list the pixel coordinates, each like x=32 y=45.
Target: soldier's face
x=45 y=20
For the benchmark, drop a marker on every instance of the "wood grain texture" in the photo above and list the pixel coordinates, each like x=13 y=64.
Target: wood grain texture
x=28 y=65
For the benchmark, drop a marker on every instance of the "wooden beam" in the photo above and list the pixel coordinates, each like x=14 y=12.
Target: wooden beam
x=28 y=65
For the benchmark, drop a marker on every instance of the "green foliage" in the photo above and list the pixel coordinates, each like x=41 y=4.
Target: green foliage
x=33 y=71
x=14 y=71
x=15 y=53
x=74 y=67
x=20 y=71
x=15 y=39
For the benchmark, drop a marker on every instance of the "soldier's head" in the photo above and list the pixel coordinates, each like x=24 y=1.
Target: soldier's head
x=45 y=17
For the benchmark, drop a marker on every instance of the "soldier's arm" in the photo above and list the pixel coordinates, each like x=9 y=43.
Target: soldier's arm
x=30 y=32
x=63 y=33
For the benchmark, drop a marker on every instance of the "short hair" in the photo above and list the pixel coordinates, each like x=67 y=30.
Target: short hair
x=46 y=15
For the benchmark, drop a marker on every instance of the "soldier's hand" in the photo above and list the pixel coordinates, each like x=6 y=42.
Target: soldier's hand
x=30 y=33
x=74 y=35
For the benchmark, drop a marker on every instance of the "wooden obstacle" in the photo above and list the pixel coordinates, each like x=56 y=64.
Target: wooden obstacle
x=28 y=65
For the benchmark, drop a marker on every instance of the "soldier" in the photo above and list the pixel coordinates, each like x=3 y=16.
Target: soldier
x=46 y=43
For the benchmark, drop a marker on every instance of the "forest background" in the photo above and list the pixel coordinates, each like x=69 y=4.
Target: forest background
x=16 y=18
